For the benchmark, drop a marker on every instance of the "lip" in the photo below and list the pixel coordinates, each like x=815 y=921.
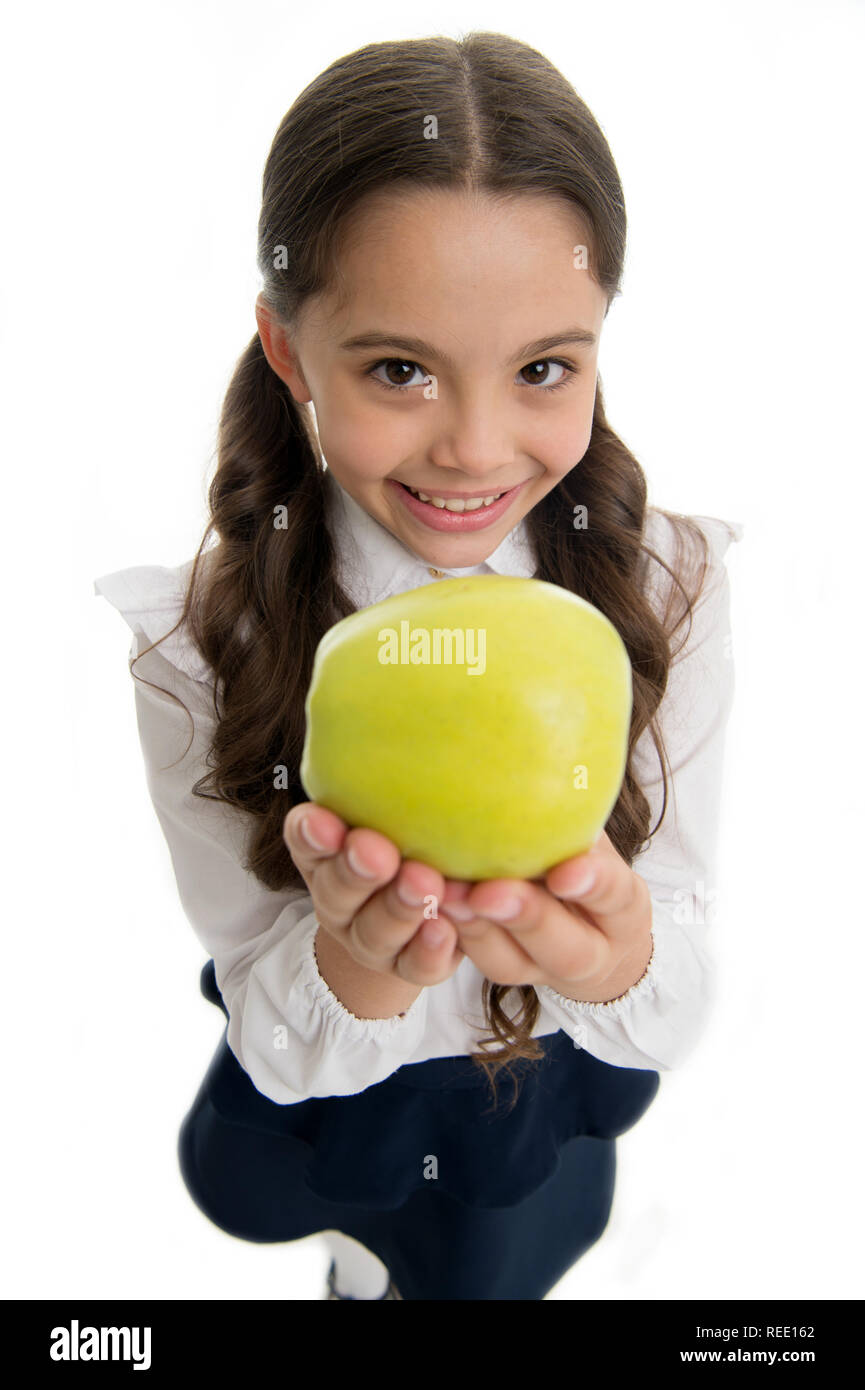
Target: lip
x=440 y=519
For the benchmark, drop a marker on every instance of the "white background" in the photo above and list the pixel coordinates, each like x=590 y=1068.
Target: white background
x=134 y=142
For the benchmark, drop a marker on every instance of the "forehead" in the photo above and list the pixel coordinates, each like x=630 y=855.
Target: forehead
x=432 y=261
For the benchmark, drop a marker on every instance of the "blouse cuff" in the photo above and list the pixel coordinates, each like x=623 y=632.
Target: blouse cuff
x=296 y=1039
x=659 y=1020
x=613 y=1008
x=387 y=1031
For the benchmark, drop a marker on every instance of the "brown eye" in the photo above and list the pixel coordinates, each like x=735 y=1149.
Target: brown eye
x=399 y=370
x=568 y=370
x=394 y=367
x=538 y=373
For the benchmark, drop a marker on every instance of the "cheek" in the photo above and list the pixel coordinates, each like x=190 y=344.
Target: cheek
x=366 y=442
x=576 y=437
x=355 y=448
x=564 y=444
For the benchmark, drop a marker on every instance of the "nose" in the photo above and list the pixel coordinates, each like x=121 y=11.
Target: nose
x=474 y=439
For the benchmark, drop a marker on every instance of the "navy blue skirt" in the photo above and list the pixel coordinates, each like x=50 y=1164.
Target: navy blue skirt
x=459 y=1196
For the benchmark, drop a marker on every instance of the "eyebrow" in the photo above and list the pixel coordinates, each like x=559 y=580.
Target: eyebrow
x=578 y=336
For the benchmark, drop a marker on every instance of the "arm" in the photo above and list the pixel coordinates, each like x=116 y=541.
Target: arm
x=655 y=1024
x=290 y=1031
x=365 y=993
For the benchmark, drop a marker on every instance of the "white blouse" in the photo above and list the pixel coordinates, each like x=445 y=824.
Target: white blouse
x=288 y=1030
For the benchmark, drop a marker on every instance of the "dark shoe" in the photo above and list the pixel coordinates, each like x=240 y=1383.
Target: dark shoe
x=390 y=1293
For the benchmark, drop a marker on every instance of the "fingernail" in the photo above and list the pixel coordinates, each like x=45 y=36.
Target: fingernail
x=407 y=895
x=308 y=835
x=457 y=912
x=432 y=934
x=509 y=908
x=359 y=868
x=583 y=883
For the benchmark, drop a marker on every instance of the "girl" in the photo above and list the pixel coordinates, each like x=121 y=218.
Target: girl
x=441 y=236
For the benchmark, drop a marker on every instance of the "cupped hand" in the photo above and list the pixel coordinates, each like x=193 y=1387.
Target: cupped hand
x=370 y=899
x=591 y=945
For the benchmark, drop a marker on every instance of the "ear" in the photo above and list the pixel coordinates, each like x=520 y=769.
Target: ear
x=279 y=351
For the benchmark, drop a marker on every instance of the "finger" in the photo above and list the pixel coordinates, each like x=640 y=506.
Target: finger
x=496 y=953
x=558 y=940
x=366 y=862
x=311 y=833
x=423 y=962
x=603 y=887
x=386 y=921
x=456 y=889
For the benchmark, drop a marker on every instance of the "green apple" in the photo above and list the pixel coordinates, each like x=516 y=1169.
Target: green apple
x=481 y=724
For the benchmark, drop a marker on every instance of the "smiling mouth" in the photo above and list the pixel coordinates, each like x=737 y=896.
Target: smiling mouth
x=456 y=504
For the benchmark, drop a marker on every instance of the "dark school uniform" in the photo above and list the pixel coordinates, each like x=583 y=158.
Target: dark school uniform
x=458 y=1197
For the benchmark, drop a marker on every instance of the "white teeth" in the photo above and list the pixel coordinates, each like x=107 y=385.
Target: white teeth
x=456 y=504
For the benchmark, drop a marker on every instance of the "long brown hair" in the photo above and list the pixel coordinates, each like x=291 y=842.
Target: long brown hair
x=260 y=599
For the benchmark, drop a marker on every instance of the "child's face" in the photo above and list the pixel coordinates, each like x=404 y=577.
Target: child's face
x=478 y=282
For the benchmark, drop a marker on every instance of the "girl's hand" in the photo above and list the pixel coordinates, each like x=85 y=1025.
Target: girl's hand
x=594 y=951
x=366 y=913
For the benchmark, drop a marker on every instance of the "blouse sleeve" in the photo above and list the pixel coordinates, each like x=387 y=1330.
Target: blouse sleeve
x=287 y=1029
x=658 y=1022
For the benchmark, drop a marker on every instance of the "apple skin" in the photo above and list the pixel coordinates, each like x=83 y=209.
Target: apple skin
x=474 y=774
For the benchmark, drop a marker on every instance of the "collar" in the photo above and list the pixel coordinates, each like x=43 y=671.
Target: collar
x=373 y=564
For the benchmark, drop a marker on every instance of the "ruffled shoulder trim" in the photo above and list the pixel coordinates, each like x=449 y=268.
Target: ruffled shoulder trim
x=660 y=535
x=150 y=598
x=720 y=534
x=680 y=549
